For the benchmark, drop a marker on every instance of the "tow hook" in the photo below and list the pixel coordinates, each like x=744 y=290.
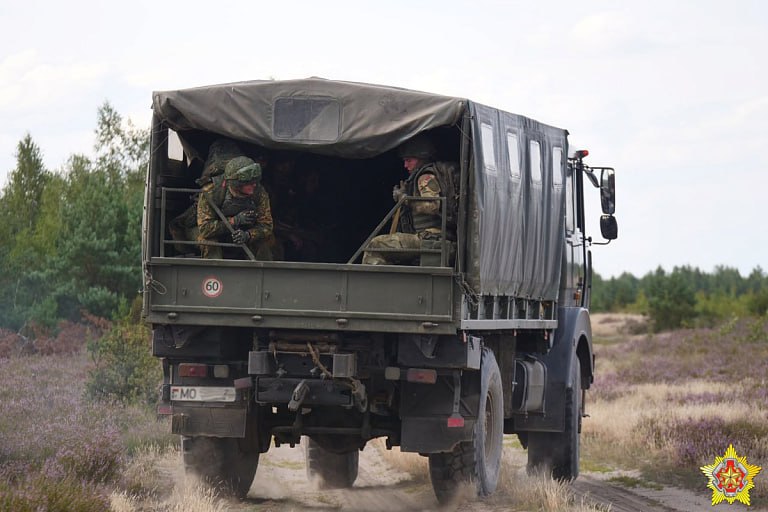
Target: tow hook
x=298 y=395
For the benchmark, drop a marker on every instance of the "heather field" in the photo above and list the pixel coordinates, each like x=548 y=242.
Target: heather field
x=668 y=403
x=61 y=451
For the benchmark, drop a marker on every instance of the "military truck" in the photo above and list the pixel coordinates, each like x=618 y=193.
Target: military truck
x=486 y=333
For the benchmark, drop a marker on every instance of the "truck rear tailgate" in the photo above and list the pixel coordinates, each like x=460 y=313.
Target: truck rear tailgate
x=301 y=295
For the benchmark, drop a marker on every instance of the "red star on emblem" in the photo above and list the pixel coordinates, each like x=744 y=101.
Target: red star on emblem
x=730 y=477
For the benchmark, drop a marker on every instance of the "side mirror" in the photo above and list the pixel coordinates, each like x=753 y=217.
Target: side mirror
x=608 y=227
x=608 y=191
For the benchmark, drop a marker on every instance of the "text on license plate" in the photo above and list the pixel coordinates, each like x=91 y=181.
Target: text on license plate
x=202 y=394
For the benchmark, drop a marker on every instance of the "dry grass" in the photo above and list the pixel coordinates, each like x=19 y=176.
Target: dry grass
x=153 y=480
x=609 y=326
x=412 y=464
x=521 y=491
x=667 y=404
x=188 y=496
x=191 y=496
x=611 y=432
x=516 y=490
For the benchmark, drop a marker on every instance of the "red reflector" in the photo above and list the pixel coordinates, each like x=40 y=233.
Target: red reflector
x=582 y=153
x=455 y=421
x=421 y=376
x=193 y=370
x=164 y=409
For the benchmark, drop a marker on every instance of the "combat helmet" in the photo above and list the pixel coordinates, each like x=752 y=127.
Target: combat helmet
x=241 y=170
x=417 y=147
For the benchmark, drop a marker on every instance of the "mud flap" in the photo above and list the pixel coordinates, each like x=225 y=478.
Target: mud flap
x=426 y=409
x=432 y=434
x=208 y=421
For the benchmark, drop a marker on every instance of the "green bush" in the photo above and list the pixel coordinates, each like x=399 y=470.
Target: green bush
x=125 y=370
x=758 y=303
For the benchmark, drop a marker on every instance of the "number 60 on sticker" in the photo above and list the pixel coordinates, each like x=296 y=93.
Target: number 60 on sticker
x=212 y=287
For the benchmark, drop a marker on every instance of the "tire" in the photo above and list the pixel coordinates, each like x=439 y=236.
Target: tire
x=221 y=462
x=557 y=453
x=330 y=470
x=477 y=461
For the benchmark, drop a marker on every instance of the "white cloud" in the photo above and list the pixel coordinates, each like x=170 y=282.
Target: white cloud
x=27 y=81
x=600 y=30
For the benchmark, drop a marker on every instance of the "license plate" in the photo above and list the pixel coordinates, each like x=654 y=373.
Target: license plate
x=202 y=394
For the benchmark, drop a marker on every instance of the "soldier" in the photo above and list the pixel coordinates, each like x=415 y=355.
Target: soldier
x=184 y=226
x=420 y=221
x=240 y=197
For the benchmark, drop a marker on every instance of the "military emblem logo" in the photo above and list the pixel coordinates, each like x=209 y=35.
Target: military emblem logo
x=730 y=477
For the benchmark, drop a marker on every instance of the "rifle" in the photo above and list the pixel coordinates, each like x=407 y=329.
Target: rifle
x=229 y=226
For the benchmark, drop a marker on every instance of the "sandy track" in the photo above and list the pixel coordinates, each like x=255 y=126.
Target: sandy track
x=281 y=486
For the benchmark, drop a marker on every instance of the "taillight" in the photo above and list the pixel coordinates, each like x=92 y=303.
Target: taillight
x=455 y=421
x=193 y=370
x=421 y=376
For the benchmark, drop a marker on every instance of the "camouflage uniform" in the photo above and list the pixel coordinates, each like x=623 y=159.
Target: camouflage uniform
x=211 y=228
x=184 y=226
x=421 y=220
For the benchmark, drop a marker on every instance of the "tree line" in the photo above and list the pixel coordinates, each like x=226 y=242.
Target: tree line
x=684 y=297
x=70 y=243
x=70 y=238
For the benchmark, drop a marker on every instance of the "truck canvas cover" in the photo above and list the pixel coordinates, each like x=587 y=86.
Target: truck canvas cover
x=519 y=194
x=344 y=119
x=516 y=172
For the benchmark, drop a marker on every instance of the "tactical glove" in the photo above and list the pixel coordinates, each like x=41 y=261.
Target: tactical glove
x=244 y=218
x=241 y=237
x=398 y=192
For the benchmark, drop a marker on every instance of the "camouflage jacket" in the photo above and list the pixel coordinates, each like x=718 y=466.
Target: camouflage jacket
x=424 y=215
x=210 y=224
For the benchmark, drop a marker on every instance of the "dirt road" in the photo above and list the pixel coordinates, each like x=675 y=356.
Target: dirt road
x=281 y=485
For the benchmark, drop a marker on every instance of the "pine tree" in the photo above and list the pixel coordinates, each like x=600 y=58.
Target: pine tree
x=671 y=300
x=21 y=249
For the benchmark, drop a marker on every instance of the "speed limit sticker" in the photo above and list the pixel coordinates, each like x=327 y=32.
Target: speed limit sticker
x=212 y=287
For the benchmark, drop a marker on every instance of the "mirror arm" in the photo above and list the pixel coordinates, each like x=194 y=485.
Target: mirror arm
x=592 y=177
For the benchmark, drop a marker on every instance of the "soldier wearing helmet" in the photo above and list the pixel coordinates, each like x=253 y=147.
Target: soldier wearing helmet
x=239 y=195
x=419 y=220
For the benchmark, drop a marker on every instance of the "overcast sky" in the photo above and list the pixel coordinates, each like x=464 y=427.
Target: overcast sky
x=673 y=94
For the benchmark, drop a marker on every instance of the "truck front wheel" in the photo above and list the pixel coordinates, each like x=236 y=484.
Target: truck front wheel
x=558 y=452
x=330 y=470
x=221 y=462
x=477 y=461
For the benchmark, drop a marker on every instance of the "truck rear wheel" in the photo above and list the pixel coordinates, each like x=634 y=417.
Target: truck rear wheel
x=558 y=452
x=477 y=461
x=331 y=470
x=221 y=462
